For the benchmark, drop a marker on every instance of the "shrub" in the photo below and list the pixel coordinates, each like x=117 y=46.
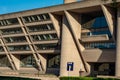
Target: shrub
x=14 y=78
x=86 y=78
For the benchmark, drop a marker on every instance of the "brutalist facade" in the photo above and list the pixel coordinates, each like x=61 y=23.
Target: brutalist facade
x=76 y=38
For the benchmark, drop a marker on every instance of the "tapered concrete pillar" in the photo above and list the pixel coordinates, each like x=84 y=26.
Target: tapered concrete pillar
x=69 y=1
x=69 y=52
x=118 y=45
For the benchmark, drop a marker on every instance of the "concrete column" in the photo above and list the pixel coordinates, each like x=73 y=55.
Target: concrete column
x=69 y=52
x=117 y=73
x=69 y=1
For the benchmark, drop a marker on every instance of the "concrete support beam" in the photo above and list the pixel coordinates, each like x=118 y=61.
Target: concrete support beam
x=71 y=33
x=117 y=71
x=55 y=23
x=69 y=53
x=75 y=28
x=110 y=19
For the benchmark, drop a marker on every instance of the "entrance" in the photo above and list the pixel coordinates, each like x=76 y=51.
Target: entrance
x=107 y=69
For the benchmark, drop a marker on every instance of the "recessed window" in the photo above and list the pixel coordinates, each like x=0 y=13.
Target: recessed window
x=6 y=22
x=27 y=61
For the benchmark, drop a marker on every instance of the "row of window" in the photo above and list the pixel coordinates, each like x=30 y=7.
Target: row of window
x=47 y=46
x=43 y=27
x=102 y=45
x=6 y=22
x=19 y=48
x=53 y=61
x=41 y=37
x=15 y=39
x=38 y=46
x=37 y=28
x=44 y=37
x=34 y=18
x=26 y=19
x=11 y=31
x=97 y=33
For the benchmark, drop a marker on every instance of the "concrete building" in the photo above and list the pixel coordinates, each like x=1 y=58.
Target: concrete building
x=76 y=38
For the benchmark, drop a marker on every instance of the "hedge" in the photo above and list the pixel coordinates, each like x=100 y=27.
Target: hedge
x=14 y=78
x=86 y=78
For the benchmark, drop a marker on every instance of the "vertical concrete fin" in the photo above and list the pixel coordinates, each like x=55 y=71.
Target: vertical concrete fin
x=55 y=23
x=109 y=17
x=69 y=53
x=76 y=31
x=75 y=27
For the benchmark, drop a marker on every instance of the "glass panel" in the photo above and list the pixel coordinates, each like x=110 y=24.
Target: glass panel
x=1 y=49
x=103 y=69
x=27 y=61
x=19 y=48
x=45 y=37
x=53 y=61
x=11 y=31
x=9 y=22
x=15 y=39
x=34 y=18
x=47 y=46
x=4 y=61
x=44 y=27
x=97 y=26
x=101 y=45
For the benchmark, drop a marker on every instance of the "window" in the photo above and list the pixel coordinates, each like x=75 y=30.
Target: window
x=45 y=37
x=6 y=22
x=27 y=61
x=1 y=49
x=15 y=39
x=19 y=48
x=44 y=27
x=4 y=61
x=47 y=46
x=34 y=18
x=53 y=61
x=96 y=26
x=101 y=45
x=11 y=31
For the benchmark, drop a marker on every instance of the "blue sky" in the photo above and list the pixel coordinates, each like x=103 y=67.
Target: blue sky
x=8 y=6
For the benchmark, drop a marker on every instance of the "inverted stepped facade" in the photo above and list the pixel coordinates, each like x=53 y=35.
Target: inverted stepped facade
x=47 y=39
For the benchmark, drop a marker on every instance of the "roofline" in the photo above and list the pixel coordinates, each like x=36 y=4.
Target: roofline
x=57 y=8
